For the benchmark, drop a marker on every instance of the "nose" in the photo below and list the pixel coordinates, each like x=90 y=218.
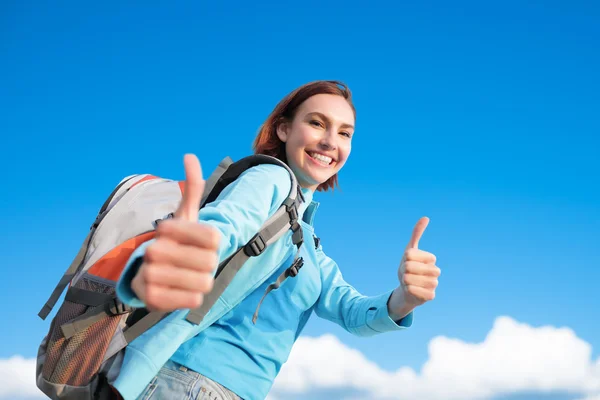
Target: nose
x=328 y=141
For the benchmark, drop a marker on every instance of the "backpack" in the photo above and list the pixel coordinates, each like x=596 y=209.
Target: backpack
x=89 y=333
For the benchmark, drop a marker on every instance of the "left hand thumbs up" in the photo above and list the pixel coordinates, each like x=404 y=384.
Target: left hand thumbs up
x=418 y=274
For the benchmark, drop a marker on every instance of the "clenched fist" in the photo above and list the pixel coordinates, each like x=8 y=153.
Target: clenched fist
x=178 y=267
x=418 y=276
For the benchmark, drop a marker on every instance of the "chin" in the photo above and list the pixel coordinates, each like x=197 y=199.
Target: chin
x=320 y=181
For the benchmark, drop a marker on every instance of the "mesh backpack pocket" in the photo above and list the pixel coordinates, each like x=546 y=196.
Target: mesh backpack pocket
x=74 y=359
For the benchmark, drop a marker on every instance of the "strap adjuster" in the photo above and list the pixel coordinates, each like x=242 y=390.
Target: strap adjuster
x=297 y=236
x=117 y=308
x=291 y=207
x=292 y=211
x=256 y=246
x=300 y=194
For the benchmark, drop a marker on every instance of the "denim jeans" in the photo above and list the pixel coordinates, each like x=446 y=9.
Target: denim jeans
x=174 y=381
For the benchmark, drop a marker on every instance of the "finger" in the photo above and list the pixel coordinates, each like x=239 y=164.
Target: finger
x=167 y=252
x=193 y=189
x=138 y=286
x=189 y=233
x=419 y=268
x=421 y=293
x=420 y=255
x=417 y=233
x=165 y=298
x=178 y=278
x=422 y=281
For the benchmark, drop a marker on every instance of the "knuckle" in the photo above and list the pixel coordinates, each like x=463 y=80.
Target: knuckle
x=207 y=260
x=151 y=298
x=433 y=258
x=196 y=300
x=215 y=260
x=150 y=254
x=155 y=250
x=411 y=266
x=206 y=283
x=432 y=284
x=147 y=272
x=213 y=238
x=409 y=254
x=152 y=305
x=211 y=283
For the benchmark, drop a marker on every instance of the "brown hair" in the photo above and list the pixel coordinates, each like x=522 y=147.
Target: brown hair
x=267 y=142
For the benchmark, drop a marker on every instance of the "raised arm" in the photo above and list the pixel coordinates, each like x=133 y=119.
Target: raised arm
x=343 y=304
x=235 y=216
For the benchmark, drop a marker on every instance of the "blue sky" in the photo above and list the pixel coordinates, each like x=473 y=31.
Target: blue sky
x=483 y=117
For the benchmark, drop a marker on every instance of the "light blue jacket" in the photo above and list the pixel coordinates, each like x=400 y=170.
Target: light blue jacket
x=238 y=213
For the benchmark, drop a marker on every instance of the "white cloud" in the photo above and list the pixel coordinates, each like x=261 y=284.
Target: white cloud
x=17 y=378
x=514 y=357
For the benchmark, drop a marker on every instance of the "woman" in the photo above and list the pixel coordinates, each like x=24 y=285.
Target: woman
x=228 y=356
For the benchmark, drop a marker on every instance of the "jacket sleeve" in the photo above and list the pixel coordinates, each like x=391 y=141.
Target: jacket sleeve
x=237 y=213
x=358 y=314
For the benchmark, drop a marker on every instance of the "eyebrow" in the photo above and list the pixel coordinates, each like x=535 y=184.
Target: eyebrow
x=344 y=125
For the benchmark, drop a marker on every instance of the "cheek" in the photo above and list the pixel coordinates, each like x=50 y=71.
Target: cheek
x=345 y=150
x=306 y=135
x=293 y=151
x=299 y=140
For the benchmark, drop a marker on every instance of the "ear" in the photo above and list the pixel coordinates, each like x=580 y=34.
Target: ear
x=282 y=131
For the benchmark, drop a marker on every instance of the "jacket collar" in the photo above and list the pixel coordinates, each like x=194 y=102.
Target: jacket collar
x=309 y=208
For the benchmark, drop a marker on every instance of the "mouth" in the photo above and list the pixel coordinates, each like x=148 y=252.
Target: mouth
x=320 y=159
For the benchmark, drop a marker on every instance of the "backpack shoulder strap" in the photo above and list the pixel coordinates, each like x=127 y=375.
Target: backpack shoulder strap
x=215 y=177
x=229 y=171
x=285 y=218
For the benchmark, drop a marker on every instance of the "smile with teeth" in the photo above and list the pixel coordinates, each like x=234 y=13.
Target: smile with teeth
x=320 y=158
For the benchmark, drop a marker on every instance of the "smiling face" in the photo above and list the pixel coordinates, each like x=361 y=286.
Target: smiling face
x=318 y=139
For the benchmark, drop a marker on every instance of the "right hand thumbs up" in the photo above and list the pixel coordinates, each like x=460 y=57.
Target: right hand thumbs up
x=178 y=267
x=193 y=189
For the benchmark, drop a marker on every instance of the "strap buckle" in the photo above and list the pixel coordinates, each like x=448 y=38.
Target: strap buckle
x=158 y=221
x=317 y=241
x=256 y=246
x=293 y=270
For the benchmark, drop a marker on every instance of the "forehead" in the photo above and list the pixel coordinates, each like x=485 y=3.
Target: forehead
x=332 y=106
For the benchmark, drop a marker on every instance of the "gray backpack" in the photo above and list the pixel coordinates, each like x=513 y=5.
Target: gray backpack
x=90 y=331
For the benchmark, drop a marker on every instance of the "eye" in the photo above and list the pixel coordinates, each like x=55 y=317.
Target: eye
x=347 y=134
x=314 y=122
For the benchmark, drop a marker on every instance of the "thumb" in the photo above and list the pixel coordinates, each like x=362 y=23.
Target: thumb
x=193 y=189
x=417 y=233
